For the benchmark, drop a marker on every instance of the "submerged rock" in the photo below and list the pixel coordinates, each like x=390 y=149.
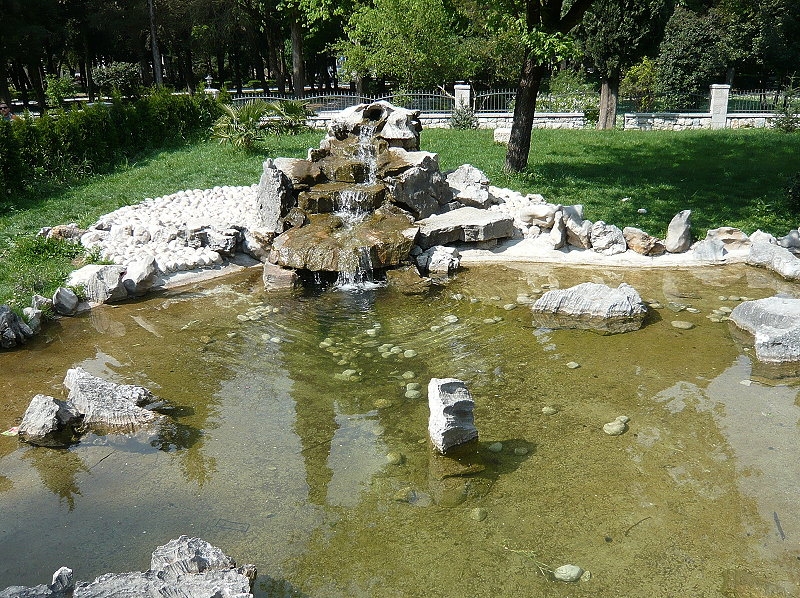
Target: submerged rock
x=775 y=324
x=49 y=422
x=591 y=306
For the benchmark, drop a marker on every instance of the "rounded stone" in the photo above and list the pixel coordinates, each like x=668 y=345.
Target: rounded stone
x=395 y=458
x=371 y=332
x=615 y=428
x=520 y=451
x=408 y=375
x=549 y=410
x=510 y=306
x=478 y=514
x=451 y=319
x=435 y=328
x=573 y=365
x=682 y=324
x=568 y=573
x=408 y=353
x=413 y=386
x=413 y=394
x=496 y=447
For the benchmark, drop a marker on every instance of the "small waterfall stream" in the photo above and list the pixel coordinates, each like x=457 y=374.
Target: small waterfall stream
x=353 y=209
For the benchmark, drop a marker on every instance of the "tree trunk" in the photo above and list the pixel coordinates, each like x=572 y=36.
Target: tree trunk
x=157 y=75
x=35 y=76
x=519 y=145
x=5 y=92
x=609 y=92
x=298 y=66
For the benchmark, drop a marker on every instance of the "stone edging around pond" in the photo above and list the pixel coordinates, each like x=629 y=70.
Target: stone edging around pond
x=196 y=235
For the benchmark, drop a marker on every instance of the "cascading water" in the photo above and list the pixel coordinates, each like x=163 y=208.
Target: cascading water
x=353 y=208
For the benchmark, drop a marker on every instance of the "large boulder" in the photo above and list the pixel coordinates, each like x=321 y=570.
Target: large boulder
x=421 y=188
x=470 y=187
x=641 y=242
x=607 y=239
x=381 y=240
x=49 y=422
x=733 y=239
x=437 y=260
x=591 y=306
x=451 y=422
x=398 y=126
x=274 y=198
x=65 y=301
x=13 y=330
x=101 y=283
x=467 y=225
x=775 y=324
x=107 y=404
x=775 y=258
x=183 y=568
x=679 y=232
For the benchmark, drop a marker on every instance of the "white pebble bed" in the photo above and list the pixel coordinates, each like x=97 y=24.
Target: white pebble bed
x=159 y=227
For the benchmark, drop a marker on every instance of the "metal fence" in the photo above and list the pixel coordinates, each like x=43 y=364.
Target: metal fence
x=757 y=100
x=425 y=101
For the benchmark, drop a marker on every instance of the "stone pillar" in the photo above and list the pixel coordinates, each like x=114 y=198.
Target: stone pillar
x=463 y=94
x=719 y=105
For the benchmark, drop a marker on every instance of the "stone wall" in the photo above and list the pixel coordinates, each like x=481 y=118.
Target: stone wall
x=673 y=121
x=488 y=120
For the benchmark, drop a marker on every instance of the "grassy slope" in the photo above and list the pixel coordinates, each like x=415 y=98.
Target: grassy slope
x=732 y=178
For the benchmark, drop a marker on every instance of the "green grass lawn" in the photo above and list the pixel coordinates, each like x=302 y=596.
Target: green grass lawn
x=735 y=178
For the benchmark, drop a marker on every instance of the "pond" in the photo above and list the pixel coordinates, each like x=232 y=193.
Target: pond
x=295 y=444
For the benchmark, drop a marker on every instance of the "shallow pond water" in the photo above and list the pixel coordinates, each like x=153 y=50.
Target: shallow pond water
x=295 y=444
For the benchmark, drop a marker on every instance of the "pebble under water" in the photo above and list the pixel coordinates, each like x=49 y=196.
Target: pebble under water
x=297 y=441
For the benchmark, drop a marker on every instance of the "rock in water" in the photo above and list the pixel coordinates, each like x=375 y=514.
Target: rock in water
x=568 y=573
x=591 y=306
x=48 y=422
x=679 y=233
x=106 y=403
x=775 y=324
x=778 y=259
x=451 y=422
x=101 y=283
x=13 y=330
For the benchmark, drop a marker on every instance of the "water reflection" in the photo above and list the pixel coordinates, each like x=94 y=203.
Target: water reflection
x=58 y=469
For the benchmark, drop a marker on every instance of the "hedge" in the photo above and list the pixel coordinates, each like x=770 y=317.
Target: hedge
x=63 y=144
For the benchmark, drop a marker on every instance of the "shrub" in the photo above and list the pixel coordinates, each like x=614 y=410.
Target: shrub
x=58 y=89
x=788 y=119
x=245 y=125
x=639 y=83
x=118 y=77
x=463 y=117
x=793 y=194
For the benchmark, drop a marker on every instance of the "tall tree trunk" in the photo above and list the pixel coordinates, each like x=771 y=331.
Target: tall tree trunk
x=298 y=65
x=220 y=68
x=157 y=75
x=609 y=92
x=275 y=62
x=519 y=144
x=5 y=92
x=20 y=82
x=35 y=76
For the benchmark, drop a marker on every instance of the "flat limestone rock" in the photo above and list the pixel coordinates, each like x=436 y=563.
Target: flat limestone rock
x=108 y=404
x=775 y=258
x=775 y=324
x=467 y=225
x=183 y=568
x=591 y=306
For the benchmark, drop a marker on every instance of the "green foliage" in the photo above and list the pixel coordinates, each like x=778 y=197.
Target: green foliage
x=417 y=43
x=793 y=194
x=568 y=91
x=58 y=89
x=244 y=125
x=639 y=83
x=549 y=47
x=463 y=117
x=118 y=78
x=75 y=143
x=690 y=57
x=788 y=119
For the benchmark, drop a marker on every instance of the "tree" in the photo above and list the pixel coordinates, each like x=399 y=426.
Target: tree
x=615 y=35
x=544 y=27
x=417 y=43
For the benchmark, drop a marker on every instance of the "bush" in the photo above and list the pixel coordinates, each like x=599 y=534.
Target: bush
x=118 y=78
x=463 y=117
x=793 y=194
x=58 y=89
x=68 y=144
x=788 y=119
x=244 y=125
x=639 y=83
